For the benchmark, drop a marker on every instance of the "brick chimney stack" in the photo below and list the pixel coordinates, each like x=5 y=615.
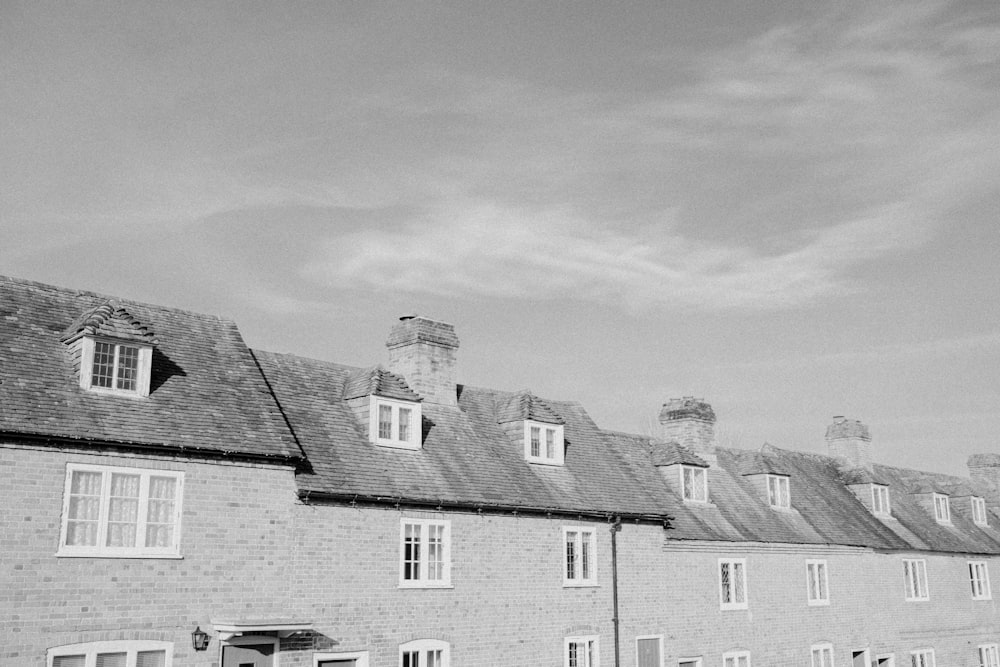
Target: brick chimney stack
x=849 y=439
x=690 y=422
x=984 y=470
x=424 y=352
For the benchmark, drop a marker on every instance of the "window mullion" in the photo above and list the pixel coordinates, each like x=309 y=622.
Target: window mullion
x=103 y=510
x=114 y=365
x=142 y=512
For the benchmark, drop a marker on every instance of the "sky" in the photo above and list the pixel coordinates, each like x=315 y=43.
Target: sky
x=789 y=209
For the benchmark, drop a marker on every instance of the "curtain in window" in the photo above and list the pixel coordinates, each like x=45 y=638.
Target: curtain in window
x=84 y=509
x=123 y=510
x=151 y=659
x=160 y=512
x=111 y=659
x=69 y=661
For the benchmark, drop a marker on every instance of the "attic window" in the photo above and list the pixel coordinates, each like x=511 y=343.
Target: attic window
x=777 y=491
x=543 y=443
x=115 y=367
x=880 y=500
x=694 y=484
x=942 y=511
x=395 y=423
x=979 y=511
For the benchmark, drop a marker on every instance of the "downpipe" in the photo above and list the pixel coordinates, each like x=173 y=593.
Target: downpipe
x=616 y=527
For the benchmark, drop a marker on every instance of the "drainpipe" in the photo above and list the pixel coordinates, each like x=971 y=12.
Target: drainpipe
x=616 y=526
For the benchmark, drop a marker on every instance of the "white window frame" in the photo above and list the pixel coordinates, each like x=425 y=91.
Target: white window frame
x=415 y=426
x=92 y=649
x=695 y=661
x=423 y=561
x=922 y=658
x=690 y=492
x=733 y=564
x=558 y=443
x=101 y=551
x=891 y=657
x=594 y=652
x=880 y=500
x=423 y=646
x=915 y=574
x=360 y=656
x=736 y=656
x=979 y=511
x=979 y=579
x=825 y=653
x=776 y=484
x=818 y=582
x=989 y=655
x=143 y=369
x=581 y=536
x=658 y=638
x=867 y=657
x=942 y=508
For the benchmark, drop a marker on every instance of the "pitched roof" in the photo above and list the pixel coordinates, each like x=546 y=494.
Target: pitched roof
x=378 y=382
x=206 y=391
x=524 y=405
x=672 y=453
x=466 y=455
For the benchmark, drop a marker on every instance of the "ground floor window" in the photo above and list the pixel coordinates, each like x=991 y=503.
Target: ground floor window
x=112 y=654
x=581 y=652
x=424 y=653
x=736 y=659
x=988 y=656
x=923 y=658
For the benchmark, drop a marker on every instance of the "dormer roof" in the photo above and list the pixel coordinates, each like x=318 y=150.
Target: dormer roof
x=673 y=453
x=377 y=381
x=763 y=463
x=926 y=486
x=526 y=406
x=109 y=319
x=861 y=476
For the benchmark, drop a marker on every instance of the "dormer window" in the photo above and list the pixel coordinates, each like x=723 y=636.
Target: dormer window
x=880 y=500
x=694 y=484
x=395 y=423
x=778 y=491
x=979 y=511
x=942 y=511
x=543 y=443
x=115 y=367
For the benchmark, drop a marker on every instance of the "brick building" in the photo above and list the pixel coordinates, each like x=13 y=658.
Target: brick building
x=161 y=479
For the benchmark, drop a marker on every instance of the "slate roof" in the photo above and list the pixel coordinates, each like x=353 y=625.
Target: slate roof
x=524 y=405
x=672 y=453
x=379 y=382
x=206 y=391
x=466 y=456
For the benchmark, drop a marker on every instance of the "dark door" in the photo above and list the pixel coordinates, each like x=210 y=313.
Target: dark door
x=248 y=655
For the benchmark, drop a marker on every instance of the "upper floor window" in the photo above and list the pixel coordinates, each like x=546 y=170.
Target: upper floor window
x=732 y=583
x=115 y=367
x=915 y=572
x=777 y=491
x=121 y=512
x=395 y=423
x=989 y=656
x=942 y=510
x=543 y=443
x=425 y=553
x=580 y=547
x=736 y=659
x=924 y=658
x=424 y=653
x=694 y=484
x=979 y=577
x=112 y=654
x=817 y=583
x=880 y=500
x=581 y=652
x=979 y=511
x=822 y=655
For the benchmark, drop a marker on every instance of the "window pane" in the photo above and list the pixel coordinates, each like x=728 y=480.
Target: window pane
x=385 y=422
x=435 y=553
x=151 y=659
x=404 y=424
x=69 y=661
x=574 y=657
x=740 y=594
x=821 y=581
x=411 y=552
x=111 y=659
x=536 y=445
x=571 y=555
x=585 y=554
x=84 y=508
x=128 y=367
x=104 y=364
x=727 y=590
x=550 y=443
x=123 y=510
x=160 y=512
x=411 y=659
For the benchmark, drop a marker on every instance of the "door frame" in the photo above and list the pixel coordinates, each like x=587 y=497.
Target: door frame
x=658 y=638
x=360 y=656
x=243 y=640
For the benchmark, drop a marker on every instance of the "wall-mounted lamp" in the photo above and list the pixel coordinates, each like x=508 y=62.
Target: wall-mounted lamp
x=199 y=639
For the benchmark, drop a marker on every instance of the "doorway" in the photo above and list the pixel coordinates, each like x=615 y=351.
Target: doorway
x=249 y=652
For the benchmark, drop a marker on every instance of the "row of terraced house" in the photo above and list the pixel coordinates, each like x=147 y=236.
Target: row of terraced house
x=173 y=497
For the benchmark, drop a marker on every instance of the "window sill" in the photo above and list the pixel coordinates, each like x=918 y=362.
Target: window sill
x=927 y=599
x=395 y=444
x=545 y=462
x=104 y=554
x=421 y=586
x=819 y=603
x=580 y=584
x=983 y=598
x=734 y=607
x=707 y=504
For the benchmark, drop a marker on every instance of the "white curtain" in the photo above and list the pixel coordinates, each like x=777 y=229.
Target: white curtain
x=123 y=510
x=69 y=661
x=111 y=659
x=151 y=659
x=84 y=509
x=160 y=513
